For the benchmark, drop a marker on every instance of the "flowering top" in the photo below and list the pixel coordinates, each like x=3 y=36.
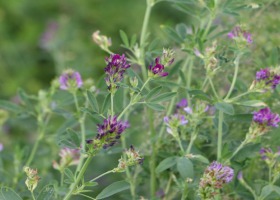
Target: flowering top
x=132 y=158
x=214 y=177
x=157 y=69
x=116 y=66
x=46 y=40
x=68 y=157
x=110 y=131
x=174 y=122
x=240 y=35
x=265 y=117
x=70 y=80
x=265 y=152
x=32 y=178
x=267 y=78
x=182 y=104
x=101 y=40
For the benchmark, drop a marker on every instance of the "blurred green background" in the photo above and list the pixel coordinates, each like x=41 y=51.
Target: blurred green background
x=25 y=63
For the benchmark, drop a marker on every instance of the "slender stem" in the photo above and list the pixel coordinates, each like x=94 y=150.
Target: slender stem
x=108 y=172
x=124 y=110
x=249 y=188
x=193 y=137
x=79 y=177
x=270 y=174
x=220 y=135
x=204 y=83
x=143 y=37
x=82 y=127
x=189 y=77
x=62 y=178
x=236 y=63
x=32 y=194
x=237 y=150
x=87 y=196
x=239 y=96
x=180 y=145
x=153 y=157
x=213 y=88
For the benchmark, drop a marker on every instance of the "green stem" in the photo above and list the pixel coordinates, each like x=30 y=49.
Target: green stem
x=180 y=145
x=108 y=172
x=79 y=177
x=213 y=88
x=62 y=178
x=32 y=194
x=87 y=196
x=82 y=127
x=143 y=37
x=249 y=188
x=189 y=77
x=236 y=63
x=239 y=96
x=193 y=137
x=237 y=150
x=270 y=174
x=220 y=135
x=153 y=157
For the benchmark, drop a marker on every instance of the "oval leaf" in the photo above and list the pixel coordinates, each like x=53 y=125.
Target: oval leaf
x=164 y=97
x=93 y=101
x=8 y=194
x=153 y=92
x=113 y=189
x=166 y=164
x=7 y=105
x=185 y=167
x=47 y=193
x=252 y=103
x=225 y=107
x=156 y=106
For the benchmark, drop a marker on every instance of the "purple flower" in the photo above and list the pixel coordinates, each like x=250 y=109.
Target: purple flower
x=275 y=81
x=182 y=104
x=237 y=32
x=240 y=175
x=213 y=179
x=265 y=117
x=188 y=110
x=116 y=66
x=157 y=69
x=1 y=147
x=110 y=131
x=263 y=152
x=263 y=74
x=70 y=80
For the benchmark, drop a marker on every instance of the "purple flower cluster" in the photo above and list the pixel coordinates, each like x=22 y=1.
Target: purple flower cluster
x=269 y=77
x=116 y=66
x=237 y=32
x=70 y=80
x=110 y=131
x=182 y=104
x=214 y=177
x=265 y=117
x=157 y=69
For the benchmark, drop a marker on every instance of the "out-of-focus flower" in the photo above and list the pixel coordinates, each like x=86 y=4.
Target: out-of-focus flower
x=213 y=179
x=265 y=152
x=167 y=57
x=208 y=56
x=240 y=35
x=115 y=69
x=70 y=80
x=132 y=157
x=182 y=103
x=68 y=157
x=1 y=147
x=32 y=178
x=101 y=40
x=110 y=131
x=48 y=35
x=240 y=175
x=264 y=117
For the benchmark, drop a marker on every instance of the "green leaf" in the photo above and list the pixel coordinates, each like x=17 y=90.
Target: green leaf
x=201 y=159
x=8 y=194
x=69 y=174
x=163 y=97
x=153 y=92
x=91 y=184
x=93 y=101
x=133 y=40
x=185 y=167
x=182 y=76
x=113 y=189
x=124 y=38
x=200 y=95
x=7 y=105
x=166 y=164
x=47 y=193
x=225 y=107
x=245 y=118
x=268 y=189
x=106 y=103
x=155 y=106
x=252 y=103
x=24 y=98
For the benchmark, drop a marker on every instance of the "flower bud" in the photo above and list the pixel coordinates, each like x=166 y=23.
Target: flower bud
x=32 y=178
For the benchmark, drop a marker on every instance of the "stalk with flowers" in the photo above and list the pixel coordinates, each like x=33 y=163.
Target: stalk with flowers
x=199 y=134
